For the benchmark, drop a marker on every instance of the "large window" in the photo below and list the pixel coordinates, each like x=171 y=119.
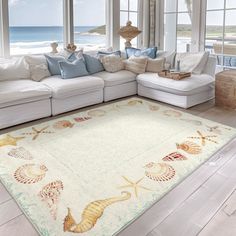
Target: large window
x=129 y=12
x=34 y=24
x=90 y=24
x=220 y=36
x=177 y=25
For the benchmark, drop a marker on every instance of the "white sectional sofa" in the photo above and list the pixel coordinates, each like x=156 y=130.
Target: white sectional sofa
x=23 y=100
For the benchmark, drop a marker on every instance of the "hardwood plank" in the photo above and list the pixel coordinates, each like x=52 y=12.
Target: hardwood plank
x=4 y=195
x=18 y=226
x=223 y=223
x=9 y=210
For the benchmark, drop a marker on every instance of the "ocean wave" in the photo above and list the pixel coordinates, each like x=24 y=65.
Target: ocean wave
x=33 y=44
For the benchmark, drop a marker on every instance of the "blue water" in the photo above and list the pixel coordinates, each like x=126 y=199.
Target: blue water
x=42 y=36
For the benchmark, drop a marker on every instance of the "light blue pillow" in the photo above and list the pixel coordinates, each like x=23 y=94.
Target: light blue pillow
x=73 y=69
x=93 y=64
x=149 y=52
x=117 y=53
x=53 y=65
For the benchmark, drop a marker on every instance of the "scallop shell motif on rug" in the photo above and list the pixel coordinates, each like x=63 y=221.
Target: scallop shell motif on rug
x=30 y=173
x=63 y=124
x=189 y=147
x=20 y=153
x=175 y=156
x=159 y=171
x=96 y=113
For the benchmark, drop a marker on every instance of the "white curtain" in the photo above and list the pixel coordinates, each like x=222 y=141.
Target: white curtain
x=147 y=10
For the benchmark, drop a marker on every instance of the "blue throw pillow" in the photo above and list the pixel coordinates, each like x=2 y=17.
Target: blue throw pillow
x=73 y=69
x=149 y=52
x=101 y=53
x=93 y=64
x=53 y=65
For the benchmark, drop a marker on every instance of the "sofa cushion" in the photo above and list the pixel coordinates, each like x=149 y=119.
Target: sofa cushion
x=193 y=85
x=62 y=88
x=113 y=79
x=16 y=92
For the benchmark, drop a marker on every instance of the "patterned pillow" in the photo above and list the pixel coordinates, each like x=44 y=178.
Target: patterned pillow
x=136 y=64
x=155 y=65
x=73 y=69
x=93 y=64
x=148 y=52
x=38 y=67
x=112 y=63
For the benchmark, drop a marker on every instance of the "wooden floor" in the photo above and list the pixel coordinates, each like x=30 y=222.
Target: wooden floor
x=203 y=204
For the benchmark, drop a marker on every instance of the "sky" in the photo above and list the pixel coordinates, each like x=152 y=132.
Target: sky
x=50 y=13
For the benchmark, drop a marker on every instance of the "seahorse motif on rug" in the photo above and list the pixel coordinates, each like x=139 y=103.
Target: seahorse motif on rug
x=30 y=173
x=174 y=156
x=189 y=147
x=92 y=212
x=50 y=194
x=63 y=124
x=159 y=171
x=20 y=153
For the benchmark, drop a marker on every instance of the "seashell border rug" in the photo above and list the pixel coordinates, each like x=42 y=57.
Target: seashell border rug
x=95 y=172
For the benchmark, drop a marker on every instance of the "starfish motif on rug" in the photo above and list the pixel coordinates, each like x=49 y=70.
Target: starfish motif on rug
x=204 y=138
x=36 y=132
x=134 y=185
x=9 y=140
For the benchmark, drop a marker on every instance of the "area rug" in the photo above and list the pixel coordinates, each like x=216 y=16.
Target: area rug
x=95 y=172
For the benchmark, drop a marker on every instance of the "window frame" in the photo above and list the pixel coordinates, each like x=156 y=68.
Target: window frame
x=112 y=26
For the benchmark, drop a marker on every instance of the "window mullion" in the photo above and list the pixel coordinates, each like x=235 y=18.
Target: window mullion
x=4 y=29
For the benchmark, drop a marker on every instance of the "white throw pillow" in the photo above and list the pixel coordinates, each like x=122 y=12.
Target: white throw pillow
x=169 y=56
x=113 y=63
x=192 y=62
x=155 y=65
x=14 y=69
x=136 y=65
x=38 y=67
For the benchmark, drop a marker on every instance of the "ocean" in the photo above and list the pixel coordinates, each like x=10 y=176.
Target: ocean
x=37 y=39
